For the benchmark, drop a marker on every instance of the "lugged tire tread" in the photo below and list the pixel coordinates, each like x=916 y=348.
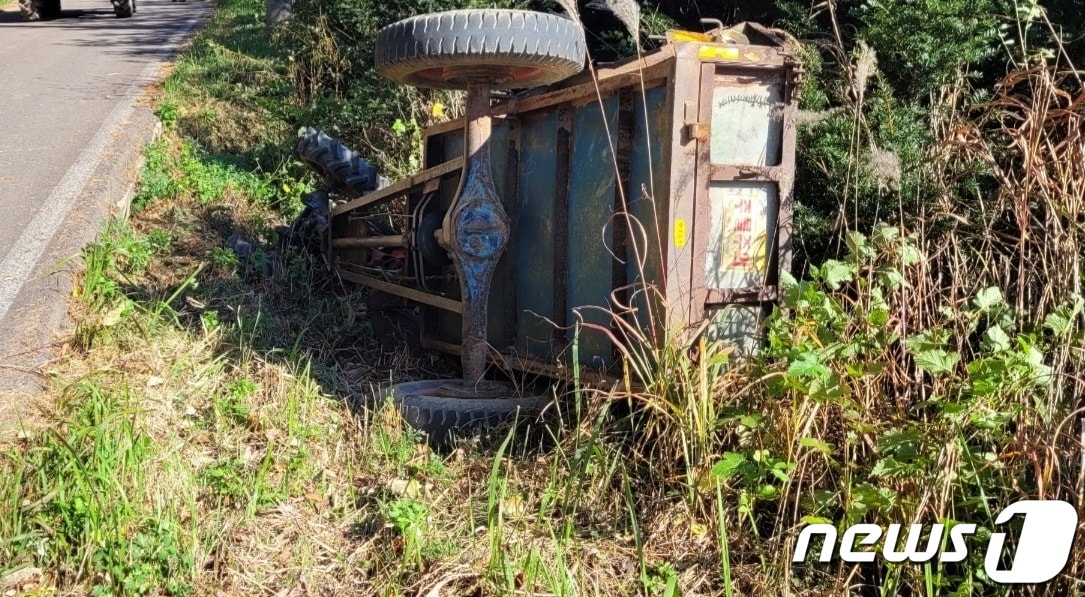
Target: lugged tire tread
x=444 y=418
x=481 y=37
x=336 y=163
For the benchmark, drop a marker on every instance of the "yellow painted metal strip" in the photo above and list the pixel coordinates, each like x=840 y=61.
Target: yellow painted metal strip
x=718 y=53
x=689 y=36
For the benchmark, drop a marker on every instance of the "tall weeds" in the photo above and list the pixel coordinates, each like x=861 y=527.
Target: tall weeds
x=931 y=374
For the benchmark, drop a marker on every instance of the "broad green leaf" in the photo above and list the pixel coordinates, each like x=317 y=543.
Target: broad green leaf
x=1036 y=360
x=836 y=273
x=936 y=361
x=808 y=520
x=750 y=421
x=781 y=475
x=728 y=465
x=787 y=280
x=1057 y=322
x=767 y=492
x=890 y=278
x=884 y=234
x=888 y=467
x=902 y=444
x=878 y=317
x=807 y=366
x=824 y=498
x=867 y=497
x=858 y=245
x=997 y=339
x=935 y=338
x=816 y=444
x=987 y=298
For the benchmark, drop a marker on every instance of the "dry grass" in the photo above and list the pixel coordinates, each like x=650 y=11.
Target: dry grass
x=244 y=376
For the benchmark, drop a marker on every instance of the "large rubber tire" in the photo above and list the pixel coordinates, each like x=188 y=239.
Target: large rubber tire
x=336 y=163
x=520 y=48
x=124 y=8
x=443 y=419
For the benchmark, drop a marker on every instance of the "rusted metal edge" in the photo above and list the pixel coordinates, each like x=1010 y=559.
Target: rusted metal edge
x=507 y=267
x=608 y=84
x=393 y=240
x=399 y=187
x=743 y=296
x=702 y=218
x=619 y=271
x=587 y=376
x=528 y=365
x=564 y=153
x=736 y=173
x=404 y=291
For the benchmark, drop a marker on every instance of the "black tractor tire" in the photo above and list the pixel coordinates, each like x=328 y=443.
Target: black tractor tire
x=337 y=164
x=442 y=419
x=39 y=10
x=124 y=8
x=518 y=48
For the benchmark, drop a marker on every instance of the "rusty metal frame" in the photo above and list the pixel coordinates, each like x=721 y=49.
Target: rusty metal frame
x=564 y=154
x=400 y=187
x=758 y=60
x=687 y=71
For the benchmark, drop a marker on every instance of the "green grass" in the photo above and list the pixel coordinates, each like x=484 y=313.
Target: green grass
x=84 y=506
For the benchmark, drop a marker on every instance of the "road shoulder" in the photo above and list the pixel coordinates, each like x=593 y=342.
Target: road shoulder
x=37 y=327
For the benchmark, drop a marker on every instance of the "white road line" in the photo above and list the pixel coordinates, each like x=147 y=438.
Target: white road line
x=16 y=267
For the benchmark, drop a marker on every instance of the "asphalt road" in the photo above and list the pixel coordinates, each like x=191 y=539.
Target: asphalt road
x=70 y=93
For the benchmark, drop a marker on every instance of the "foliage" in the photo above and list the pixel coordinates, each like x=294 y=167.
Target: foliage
x=76 y=504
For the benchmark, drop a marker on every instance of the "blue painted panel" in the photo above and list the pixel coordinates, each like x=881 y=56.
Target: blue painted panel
x=646 y=192
x=453 y=144
x=535 y=234
x=591 y=198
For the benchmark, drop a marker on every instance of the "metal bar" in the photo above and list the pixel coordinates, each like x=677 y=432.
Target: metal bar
x=530 y=365
x=393 y=240
x=702 y=222
x=399 y=187
x=525 y=364
x=650 y=72
x=507 y=266
x=619 y=271
x=680 y=178
x=752 y=295
x=440 y=302
x=751 y=173
x=477 y=232
x=564 y=153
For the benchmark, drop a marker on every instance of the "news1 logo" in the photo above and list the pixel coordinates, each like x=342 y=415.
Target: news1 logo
x=1043 y=544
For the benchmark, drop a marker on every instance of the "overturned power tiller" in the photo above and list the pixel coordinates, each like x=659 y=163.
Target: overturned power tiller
x=652 y=194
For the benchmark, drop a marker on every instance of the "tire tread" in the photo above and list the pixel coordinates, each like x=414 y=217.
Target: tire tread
x=496 y=37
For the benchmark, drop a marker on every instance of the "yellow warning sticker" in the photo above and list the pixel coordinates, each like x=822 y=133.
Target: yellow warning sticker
x=680 y=233
x=678 y=35
x=718 y=53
